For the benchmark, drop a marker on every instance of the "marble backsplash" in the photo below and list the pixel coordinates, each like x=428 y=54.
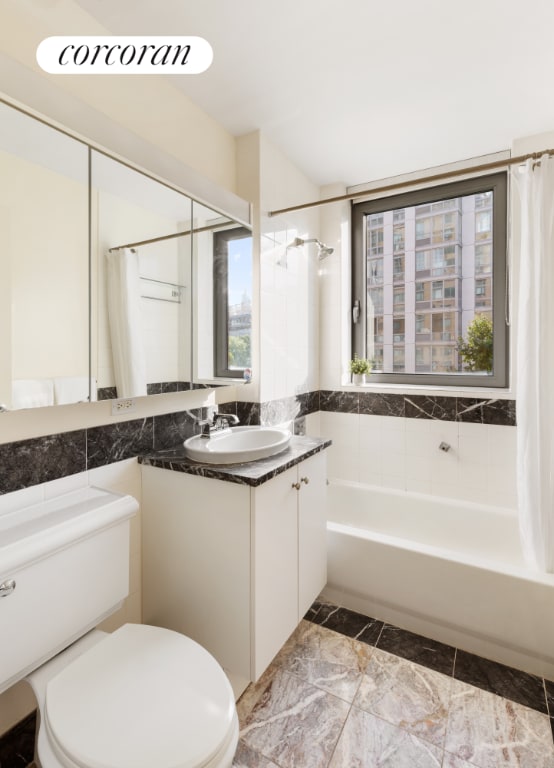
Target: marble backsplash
x=38 y=460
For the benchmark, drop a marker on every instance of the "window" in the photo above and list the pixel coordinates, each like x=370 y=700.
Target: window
x=459 y=274
x=232 y=301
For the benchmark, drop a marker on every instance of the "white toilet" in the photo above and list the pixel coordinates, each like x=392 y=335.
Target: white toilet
x=142 y=696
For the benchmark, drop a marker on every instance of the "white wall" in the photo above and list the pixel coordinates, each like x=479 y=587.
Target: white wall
x=289 y=290
x=150 y=106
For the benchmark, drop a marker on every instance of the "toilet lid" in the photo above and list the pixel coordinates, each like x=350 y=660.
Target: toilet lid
x=143 y=696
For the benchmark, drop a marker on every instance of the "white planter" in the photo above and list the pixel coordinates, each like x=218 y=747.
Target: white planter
x=358 y=378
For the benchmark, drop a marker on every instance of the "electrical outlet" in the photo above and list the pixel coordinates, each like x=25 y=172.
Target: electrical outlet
x=125 y=405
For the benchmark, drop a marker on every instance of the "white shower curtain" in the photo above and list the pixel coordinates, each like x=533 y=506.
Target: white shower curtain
x=123 y=287
x=535 y=363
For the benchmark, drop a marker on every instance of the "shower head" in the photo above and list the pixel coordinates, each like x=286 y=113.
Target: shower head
x=323 y=250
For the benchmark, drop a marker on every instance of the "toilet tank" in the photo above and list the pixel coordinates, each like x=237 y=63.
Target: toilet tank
x=64 y=566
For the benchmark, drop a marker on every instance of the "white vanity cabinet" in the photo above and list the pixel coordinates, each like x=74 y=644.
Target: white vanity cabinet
x=234 y=566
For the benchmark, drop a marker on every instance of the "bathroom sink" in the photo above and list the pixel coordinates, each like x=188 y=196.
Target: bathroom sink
x=237 y=445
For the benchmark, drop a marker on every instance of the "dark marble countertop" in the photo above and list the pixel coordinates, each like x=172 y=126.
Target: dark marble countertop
x=250 y=473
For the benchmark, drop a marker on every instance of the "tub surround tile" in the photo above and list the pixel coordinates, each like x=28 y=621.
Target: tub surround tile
x=339 y=402
x=489 y=731
x=379 y=404
x=521 y=687
x=494 y=411
x=368 y=741
x=406 y=695
x=422 y=650
x=38 y=460
x=436 y=408
x=293 y=723
x=348 y=623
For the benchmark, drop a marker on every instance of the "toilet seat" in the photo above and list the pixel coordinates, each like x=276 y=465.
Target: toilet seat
x=142 y=696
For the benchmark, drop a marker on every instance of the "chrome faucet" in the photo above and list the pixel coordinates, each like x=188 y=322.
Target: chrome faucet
x=218 y=424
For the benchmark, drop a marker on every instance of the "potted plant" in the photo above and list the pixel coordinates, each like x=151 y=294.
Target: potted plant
x=359 y=368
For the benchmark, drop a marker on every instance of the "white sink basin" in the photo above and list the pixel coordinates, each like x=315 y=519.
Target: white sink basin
x=238 y=445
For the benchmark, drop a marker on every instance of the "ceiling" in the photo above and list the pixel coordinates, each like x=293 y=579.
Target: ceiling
x=357 y=90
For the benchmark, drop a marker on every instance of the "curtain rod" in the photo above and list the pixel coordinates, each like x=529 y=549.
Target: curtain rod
x=170 y=237
x=413 y=182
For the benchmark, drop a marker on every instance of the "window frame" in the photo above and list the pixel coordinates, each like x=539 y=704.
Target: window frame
x=498 y=184
x=221 y=239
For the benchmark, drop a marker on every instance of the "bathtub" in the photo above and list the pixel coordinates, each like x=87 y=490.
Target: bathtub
x=449 y=570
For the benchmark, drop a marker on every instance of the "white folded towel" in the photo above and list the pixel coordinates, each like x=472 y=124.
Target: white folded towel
x=73 y=389
x=32 y=393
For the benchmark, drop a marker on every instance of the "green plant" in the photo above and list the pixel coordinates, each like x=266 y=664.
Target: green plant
x=476 y=352
x=359 y=365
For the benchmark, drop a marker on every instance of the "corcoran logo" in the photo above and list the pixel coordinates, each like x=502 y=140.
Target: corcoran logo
x=109 y=55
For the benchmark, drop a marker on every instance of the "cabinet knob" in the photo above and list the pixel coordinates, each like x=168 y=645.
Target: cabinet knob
x=296 y=486
x=305 y=480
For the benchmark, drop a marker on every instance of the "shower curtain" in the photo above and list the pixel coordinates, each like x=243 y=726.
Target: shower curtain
x=535 y=363
x=123 y=289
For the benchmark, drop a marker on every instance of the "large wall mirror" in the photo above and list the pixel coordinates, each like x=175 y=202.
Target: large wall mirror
x=44 y=351
x=74 y=220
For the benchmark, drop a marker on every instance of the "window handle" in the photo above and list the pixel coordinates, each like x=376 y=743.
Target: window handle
x=356 y=311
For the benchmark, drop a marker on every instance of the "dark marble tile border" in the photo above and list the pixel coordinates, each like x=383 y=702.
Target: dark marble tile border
x=17 y=746
x=441 y=408
x=38 y=460
x=523 y=688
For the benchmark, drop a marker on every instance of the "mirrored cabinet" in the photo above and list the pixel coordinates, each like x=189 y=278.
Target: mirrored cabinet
x=110 y=280
x=44 y=209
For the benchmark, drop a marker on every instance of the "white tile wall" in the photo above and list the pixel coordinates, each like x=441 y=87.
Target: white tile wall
x=404 y=454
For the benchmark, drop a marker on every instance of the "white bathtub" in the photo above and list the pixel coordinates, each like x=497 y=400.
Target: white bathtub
x=448 y=570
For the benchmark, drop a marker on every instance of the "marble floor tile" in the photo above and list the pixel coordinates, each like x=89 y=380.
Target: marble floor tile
x=491 y=676
x=325 y=659
x=369 y=742
x=451 y=761
x=422 y=650
x=348 y=622
x=293 y=723
x=245 y=757
x=489 y=731
x=407 y=695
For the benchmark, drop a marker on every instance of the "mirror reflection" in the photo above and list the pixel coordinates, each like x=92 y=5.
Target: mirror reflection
x=43 y=264
x=170 y=279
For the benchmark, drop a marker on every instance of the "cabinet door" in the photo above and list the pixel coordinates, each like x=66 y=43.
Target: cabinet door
x=312 y=530
x=196 y=562
x=275 y=571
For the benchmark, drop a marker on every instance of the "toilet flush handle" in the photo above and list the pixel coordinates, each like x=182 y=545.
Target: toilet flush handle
x=7 y=587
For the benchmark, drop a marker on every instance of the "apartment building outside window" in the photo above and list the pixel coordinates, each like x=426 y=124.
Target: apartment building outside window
x=425 y=264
